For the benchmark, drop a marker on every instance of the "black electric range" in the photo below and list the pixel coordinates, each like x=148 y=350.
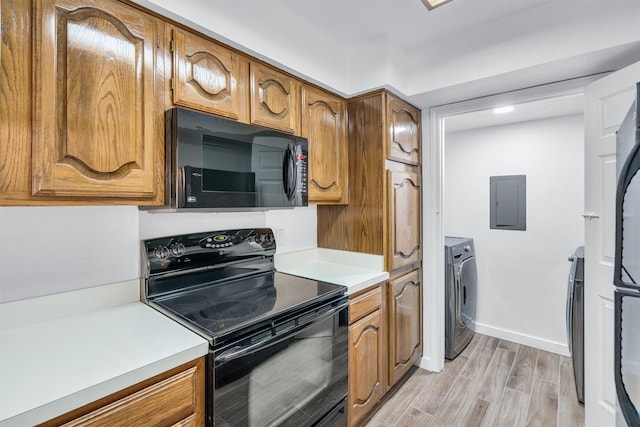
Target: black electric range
x=223 y=286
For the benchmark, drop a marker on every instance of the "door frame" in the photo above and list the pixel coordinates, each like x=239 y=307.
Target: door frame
x=433 y=137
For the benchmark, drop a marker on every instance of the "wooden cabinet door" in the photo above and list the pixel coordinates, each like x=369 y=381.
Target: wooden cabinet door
x=208 y=76
x=324 y=118
x=404 y=132
x=366 y=366
x=405 y=337
x=97 y=122
x=404 y=219
x=275 y=99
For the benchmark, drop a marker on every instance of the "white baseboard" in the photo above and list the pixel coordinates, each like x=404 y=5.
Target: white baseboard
x=429 y=364
x=531 y=341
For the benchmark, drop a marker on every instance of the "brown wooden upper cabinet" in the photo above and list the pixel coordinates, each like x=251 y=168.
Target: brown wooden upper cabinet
x=405 y=324
x=208 y=76
x=383 y=216
x=97 y=128
x=324 y=124
x=275 y=99
x=404 y=218
x=404 y=131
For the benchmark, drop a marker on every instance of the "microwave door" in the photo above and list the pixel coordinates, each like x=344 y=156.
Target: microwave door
x=289 y=173
x=627 y=353
x=627 y=250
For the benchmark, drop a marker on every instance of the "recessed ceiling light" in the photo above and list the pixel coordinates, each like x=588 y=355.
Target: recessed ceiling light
x=432 y=4
x=503 y=110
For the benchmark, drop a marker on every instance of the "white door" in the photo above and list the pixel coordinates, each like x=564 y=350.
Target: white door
x=606 y=103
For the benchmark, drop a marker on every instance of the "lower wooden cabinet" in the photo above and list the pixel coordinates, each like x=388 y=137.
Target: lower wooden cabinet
x=366 y=354
x=174 y=398
x=405 y=324
x=385 y=340
x=366 y=367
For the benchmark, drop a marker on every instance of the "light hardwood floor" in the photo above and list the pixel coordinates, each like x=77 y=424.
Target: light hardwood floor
x=491 y=383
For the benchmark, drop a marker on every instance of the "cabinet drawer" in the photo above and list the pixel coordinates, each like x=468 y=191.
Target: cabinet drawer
x=173 y=398
x=190 y=421
x=364 y=304
x=149 y=406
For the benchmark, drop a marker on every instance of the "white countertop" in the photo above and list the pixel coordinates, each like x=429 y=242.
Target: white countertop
x=355 y=270
x=60 y=352
x=50 y=367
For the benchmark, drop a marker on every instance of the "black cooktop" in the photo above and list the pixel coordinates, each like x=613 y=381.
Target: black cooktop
x=223 y=284
x=224 y=308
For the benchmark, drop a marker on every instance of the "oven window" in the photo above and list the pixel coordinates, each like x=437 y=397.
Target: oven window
x=292 y=383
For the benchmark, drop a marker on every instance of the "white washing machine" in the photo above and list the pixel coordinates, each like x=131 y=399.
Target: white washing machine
x=460 y=294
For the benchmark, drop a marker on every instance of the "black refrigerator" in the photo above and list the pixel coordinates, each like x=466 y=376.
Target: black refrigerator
x=627 y=269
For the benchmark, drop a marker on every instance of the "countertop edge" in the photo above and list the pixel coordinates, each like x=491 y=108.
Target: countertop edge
x=354 y=277
x=369 y=283
x=75 y=345
x=83 y=397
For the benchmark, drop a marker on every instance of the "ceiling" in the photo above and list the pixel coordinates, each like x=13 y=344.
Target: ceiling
x=522 y=112
x=461 y=50
x=405 y=23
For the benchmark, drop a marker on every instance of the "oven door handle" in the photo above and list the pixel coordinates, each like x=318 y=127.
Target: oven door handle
x=237 y=352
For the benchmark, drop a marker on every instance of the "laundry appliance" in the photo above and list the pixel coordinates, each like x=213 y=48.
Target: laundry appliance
x=460 y=293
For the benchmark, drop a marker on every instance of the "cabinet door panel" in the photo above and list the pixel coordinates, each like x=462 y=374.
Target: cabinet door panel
x=206 y=76
x=405 y=341
x=366 y=367
x=95 y=130
x=404 y=132
x=324 y=124
x=404 y=218
x=274 y=99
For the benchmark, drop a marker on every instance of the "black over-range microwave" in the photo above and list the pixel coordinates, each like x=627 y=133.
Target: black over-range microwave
x=219 y=164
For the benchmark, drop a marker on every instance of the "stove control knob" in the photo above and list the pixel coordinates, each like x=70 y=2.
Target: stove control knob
x=161 y=252
x=177 y=249
x=258 y=238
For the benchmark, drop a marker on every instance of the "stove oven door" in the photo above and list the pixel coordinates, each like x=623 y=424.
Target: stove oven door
x=292 y=375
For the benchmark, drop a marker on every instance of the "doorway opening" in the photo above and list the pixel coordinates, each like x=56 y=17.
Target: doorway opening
x=454 y=122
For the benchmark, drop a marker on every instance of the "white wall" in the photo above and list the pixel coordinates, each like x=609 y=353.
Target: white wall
x=48 y=250
x=295 y=228
x=267 y=30
x=522 y=275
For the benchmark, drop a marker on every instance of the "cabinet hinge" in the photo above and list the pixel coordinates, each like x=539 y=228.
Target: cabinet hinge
x=158 y=42
x=172 y=81
x=172 y=46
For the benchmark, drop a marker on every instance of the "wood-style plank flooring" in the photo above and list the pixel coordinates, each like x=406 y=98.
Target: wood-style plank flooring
x=491 y=383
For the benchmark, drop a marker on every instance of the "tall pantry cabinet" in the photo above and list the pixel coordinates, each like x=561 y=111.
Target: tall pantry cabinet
x=383 y=216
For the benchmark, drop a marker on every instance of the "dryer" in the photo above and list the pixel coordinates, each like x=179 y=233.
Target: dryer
x=460 y=293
